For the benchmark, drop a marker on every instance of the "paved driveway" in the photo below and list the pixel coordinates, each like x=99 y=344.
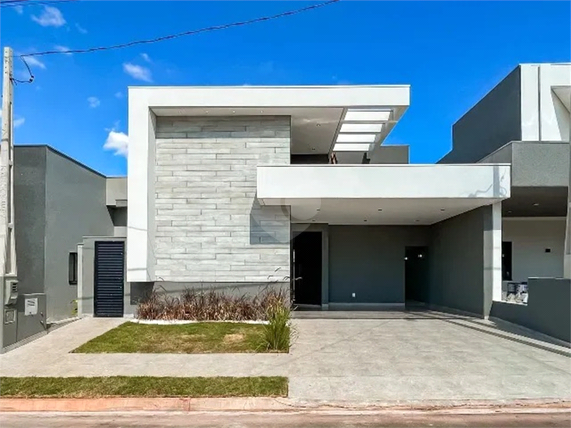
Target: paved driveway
x=381 y=357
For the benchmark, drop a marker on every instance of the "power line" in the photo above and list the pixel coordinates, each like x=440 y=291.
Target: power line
x=4 y=4
x=185 y=33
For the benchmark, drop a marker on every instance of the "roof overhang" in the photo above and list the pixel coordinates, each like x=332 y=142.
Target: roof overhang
x=382 y=194
x=323 y=118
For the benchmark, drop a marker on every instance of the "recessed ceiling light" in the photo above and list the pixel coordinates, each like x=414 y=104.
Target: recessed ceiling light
x=233 y=111
x=367 y=115
x=313 y=149
x=318 y=209
x=356 y=138
x=361 y=127
x=380 y=209
x=442 y=209
x=351 y=147
x=318 y=124
x=365 y=221
x=536 y=204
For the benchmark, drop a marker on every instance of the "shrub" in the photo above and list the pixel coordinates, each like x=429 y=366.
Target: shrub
x=276 y=334
x=209 y=306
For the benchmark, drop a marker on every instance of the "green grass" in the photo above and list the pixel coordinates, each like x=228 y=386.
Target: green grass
x=143 y=386
x=197 y=338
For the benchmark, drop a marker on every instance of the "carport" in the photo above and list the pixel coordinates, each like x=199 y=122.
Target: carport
x=375 y=230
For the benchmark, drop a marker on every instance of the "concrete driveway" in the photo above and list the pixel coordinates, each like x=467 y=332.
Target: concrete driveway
x=380 y=357
x=421 y=356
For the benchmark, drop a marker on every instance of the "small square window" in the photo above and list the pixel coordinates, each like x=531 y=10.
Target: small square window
x=72 y=269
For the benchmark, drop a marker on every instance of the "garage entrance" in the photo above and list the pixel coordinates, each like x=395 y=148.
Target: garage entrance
x=109 y=281
x=306 y=269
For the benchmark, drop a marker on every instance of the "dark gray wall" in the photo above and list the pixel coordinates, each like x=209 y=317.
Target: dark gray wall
x=494 y=121
x=29 y=212
x=390 y=155
x=456 y=259
x=75 y=207
x=369 y=261
x=548 y=309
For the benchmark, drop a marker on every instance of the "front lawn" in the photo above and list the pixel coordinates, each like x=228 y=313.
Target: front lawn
x=196 y=338
x=142 y=386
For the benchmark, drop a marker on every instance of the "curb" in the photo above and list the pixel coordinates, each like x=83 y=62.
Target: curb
x=266 y=404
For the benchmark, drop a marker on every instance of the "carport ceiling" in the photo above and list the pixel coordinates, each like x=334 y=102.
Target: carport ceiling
x=381 y=211
x=536 y=202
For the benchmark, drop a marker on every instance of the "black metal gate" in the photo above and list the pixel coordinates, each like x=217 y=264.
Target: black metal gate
x=109 y=278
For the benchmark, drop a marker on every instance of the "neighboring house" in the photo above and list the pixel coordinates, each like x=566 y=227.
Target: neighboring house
x=525 y=121
x=230 y=188
x=58 y=203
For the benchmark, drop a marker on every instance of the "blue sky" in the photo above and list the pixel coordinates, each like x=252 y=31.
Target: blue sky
x=451 y=53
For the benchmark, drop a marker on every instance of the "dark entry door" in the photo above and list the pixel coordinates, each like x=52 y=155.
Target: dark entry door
x=416 y=273
x=307 y=268
x=109 y=278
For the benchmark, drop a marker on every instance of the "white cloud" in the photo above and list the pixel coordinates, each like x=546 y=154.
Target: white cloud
x=118 y=142
x=146 y=57
x=19 y=9
x=93 y=102
x=119 y=94
x=62 y=49
x=137 y=72
x=50 y=17
x=18 y=121
x=34 y=62
x=80 y=29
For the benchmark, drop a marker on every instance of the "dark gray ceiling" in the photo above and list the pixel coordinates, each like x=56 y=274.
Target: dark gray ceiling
x=550 y=202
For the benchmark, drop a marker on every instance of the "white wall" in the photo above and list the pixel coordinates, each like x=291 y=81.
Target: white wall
x=530 y=237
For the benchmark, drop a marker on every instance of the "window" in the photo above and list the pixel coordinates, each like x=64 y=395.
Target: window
x=506 y=261
x=72 y=269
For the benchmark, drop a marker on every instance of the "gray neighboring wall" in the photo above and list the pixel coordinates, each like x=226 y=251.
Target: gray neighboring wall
x=535 y=163
x=386 y=154
x=457 y=263
x=30 y=221
x=494 y=121
x=548 y=310
x=369 y=261
x=75 y=207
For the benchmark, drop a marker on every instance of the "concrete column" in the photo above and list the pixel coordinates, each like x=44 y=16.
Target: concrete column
x=492 y=256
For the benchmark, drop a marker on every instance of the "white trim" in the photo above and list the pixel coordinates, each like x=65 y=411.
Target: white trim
x=364 y=306
x=561 y=218
x=497 y=251
x=182 y=322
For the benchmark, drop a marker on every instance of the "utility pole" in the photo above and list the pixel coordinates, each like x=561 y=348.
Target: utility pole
x=8 y=272
x=567 y=256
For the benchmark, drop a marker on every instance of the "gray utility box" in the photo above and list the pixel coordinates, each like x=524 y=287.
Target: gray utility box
x=24 y=319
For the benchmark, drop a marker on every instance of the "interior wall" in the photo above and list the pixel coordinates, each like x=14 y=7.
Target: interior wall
x=456 y=262
x=369 y=261
x=530 y=239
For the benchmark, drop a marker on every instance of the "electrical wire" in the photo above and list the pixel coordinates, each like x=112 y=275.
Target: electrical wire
x=5 y=4
x=184 y=33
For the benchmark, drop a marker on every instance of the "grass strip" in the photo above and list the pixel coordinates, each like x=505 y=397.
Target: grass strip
x=142 y=386
x=196 y=338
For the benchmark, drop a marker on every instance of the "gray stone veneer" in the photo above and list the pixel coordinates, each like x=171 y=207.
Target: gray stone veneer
x=209 y=224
